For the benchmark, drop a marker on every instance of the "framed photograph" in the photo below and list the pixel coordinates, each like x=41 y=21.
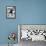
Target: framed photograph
x=10 y=12
x=33 y=32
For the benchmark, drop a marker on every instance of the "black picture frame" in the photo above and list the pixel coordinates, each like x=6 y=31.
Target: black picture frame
x=14 y=7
